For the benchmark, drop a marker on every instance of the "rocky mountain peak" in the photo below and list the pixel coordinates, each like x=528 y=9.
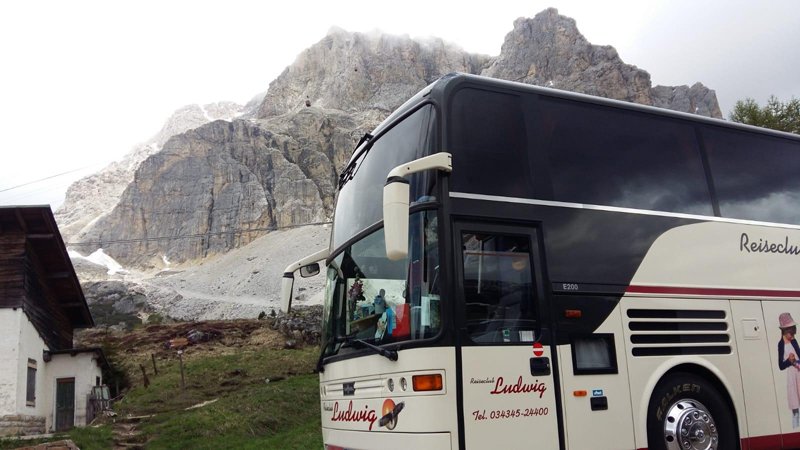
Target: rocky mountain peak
x=354 y=72
x=549 y=50
x=192 y=116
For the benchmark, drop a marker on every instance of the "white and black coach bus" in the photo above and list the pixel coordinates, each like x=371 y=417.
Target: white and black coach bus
x=519 y=267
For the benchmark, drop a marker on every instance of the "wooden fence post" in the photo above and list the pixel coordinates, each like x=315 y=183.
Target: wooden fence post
x=144 y=376
x=180 y=358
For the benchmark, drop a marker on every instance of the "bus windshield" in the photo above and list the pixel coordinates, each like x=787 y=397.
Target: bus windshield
x=371 y=298
x=359 y=201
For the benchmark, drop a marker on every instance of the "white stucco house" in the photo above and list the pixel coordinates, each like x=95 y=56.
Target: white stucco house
x=44 y=380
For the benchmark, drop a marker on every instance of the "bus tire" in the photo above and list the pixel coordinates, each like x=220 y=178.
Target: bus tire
x=687 y=412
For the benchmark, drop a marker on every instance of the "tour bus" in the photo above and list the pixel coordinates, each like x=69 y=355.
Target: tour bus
x=519 y=267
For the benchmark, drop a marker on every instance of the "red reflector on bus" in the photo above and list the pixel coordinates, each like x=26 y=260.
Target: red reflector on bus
x=573 y=313
x=432 y=382
x=580 y=393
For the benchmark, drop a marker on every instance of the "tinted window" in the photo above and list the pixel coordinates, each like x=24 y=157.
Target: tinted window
x=498 y=287
x=755 y=176
x=488 y=140
x=359 y=203
x=608 y=156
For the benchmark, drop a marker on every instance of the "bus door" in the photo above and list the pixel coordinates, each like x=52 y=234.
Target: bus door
x=507 y=368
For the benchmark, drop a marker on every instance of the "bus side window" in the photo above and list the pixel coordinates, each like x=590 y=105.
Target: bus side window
x=489 y=143
x=755 y=177
x=602 y=155
x=498 y=288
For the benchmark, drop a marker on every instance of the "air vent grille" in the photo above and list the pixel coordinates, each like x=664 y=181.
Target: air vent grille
x=669 y=332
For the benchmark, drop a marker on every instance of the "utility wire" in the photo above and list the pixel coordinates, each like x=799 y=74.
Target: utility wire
x=44 y=179
x=102 y=243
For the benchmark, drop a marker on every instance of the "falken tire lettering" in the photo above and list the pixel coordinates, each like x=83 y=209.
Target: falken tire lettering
x=666 y=401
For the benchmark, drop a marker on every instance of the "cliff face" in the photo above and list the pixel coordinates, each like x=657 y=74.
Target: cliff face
x=224 y=184
x=548 y=50
x=97 y=194
x=354 y=72
x=220 y=185
x=697 y=99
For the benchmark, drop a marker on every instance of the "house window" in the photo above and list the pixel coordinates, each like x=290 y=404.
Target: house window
x=30 y=396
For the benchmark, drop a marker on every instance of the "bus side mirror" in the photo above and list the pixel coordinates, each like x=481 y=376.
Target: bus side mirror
x=308 y=267
x=396 y=201
x=309 y=270
x=287 y=286
x=395 y=218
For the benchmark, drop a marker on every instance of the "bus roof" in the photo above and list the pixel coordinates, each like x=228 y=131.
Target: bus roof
x=448 y=83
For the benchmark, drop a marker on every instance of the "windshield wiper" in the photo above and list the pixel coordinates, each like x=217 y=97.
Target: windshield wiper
x=350 y=170
x=350 y=339
x=390 y=354
x=365 y=138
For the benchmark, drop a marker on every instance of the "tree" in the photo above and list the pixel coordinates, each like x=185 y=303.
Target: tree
x=775 y=114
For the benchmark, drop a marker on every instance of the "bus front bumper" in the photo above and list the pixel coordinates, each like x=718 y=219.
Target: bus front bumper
x=365 y=440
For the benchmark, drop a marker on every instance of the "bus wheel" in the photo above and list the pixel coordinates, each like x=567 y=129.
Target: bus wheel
x=686 y=412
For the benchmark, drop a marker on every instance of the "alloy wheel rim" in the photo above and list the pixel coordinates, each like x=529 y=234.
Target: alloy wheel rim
x=690 y=426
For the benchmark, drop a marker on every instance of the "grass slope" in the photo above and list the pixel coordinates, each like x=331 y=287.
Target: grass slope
x=266 y=397
x=249 y=412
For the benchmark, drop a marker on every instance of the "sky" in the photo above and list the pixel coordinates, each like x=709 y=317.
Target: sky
x=83 y=82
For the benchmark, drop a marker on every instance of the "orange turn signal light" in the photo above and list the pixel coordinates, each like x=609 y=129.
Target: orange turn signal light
x=580 y=393
x=431 y=382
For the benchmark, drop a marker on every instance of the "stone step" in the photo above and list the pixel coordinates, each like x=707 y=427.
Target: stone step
x=125 y=427
x=128 y=446
x=130 y=438
x=131 y=419
x=59 y=445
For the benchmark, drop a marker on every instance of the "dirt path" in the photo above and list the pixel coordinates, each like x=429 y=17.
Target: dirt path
x=126 y=434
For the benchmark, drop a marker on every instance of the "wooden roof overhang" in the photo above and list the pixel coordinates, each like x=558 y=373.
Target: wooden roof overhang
x=43 y=238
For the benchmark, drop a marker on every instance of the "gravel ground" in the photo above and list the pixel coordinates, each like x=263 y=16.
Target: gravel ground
x=237 y=284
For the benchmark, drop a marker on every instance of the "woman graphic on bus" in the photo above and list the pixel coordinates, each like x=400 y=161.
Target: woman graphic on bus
x=788 y=358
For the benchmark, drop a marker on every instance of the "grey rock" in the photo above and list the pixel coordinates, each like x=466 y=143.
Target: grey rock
x=697 y=99
x=95 y=195
x=208 y=186
x=197 y=336
x=354 y=72
x=548 y=50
